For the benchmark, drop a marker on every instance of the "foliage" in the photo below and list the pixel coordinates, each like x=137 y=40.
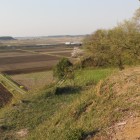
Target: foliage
x=96 y=45
x=117 y=46
x=64 y=69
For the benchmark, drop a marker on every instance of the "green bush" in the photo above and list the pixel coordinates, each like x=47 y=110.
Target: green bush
x=64 y=69
x=118 y=46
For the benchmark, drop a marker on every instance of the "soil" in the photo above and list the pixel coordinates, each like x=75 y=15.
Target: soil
x=127 y=130
x=126 y=83
x=5 y=96
x=22 y=61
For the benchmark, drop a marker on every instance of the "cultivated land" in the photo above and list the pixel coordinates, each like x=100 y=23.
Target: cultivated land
x=30 y=59
x=34 y=54
x=30 y=66
x=42 y=40
x=34 y=81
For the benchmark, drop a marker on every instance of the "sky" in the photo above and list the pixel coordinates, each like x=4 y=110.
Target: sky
x=62 y=17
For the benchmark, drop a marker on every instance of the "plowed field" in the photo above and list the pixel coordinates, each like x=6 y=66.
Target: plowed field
x=18 y=61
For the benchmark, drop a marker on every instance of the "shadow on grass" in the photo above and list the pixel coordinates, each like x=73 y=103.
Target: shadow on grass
x=67 y=90
x=89 y=135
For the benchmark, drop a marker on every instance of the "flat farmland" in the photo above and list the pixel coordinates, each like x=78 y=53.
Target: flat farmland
x=35 y=80
x=53 y=49
x=26 y=59
x=18 y=61
x=13 y=53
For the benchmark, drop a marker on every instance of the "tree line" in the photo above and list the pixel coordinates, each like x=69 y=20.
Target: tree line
x=118 y=46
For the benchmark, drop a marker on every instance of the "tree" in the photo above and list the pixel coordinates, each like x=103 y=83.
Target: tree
x=64 y=69
x=117 y=46
x=98 y=48
x=132 y=37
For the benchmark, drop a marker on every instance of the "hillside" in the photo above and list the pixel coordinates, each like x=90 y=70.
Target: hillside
x=103 y=104
x=6 y=38
x=5 y=96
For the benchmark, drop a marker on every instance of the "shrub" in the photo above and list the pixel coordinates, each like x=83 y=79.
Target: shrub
x=64 y=69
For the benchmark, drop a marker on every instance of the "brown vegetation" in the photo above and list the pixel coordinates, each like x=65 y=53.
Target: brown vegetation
x=5 y=95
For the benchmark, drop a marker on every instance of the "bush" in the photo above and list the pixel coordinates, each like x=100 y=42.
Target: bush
x=118 y=46
x=64 y=69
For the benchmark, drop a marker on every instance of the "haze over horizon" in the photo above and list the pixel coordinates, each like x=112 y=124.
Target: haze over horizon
x=63 y=17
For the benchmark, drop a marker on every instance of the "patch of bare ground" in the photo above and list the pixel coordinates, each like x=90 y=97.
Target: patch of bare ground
x=126 y=86
x=127 y=81
x=22 y=133
x=129 y=129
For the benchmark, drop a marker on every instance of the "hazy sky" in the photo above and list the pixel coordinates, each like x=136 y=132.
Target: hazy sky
x=61 y=17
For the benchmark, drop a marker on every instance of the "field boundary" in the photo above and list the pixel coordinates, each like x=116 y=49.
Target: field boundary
x=7 y=81
x=46 y=53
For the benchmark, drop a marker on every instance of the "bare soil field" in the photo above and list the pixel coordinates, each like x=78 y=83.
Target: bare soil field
x=13 y=53
x=54 y=49
x=5 y=95
x=17 y=61
x=65 y=54
x=26 y=59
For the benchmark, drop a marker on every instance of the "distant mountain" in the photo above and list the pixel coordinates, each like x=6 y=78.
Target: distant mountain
x=6 y=38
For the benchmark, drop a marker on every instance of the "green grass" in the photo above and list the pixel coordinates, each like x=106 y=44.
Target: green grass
x=69 y=115
x=43 y=106
x=91 y=76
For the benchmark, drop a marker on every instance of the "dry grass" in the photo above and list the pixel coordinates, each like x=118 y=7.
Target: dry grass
x=124 y=82
x=83 y=113
x=35 y=80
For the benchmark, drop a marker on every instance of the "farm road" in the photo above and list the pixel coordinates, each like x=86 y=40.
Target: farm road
x=46 y=53
x=11 y=84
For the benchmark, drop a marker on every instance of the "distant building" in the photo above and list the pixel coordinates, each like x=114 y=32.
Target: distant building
x=73 y=43
x=68 y=43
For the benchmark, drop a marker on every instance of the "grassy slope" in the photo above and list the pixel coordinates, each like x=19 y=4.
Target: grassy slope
x=84 y=111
